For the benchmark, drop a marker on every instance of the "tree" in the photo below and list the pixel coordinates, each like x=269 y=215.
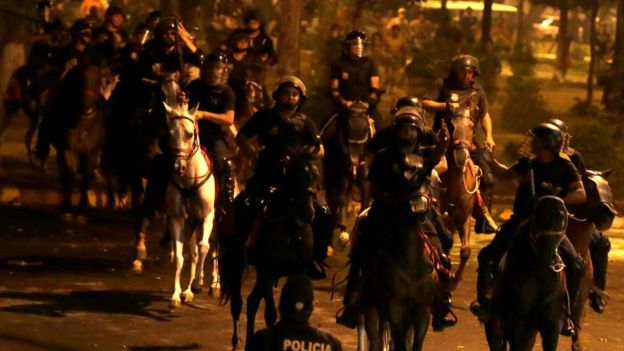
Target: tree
x=486 y=23
x=595 y=6
x=289 y=42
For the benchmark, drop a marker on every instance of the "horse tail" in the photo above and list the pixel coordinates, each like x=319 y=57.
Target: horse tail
x=232 y=264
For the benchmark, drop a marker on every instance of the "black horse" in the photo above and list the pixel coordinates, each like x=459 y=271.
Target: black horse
x=274 y=239
x=345 y=137
x=529 y=296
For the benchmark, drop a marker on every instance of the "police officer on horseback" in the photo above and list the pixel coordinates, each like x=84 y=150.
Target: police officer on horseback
x=599 y=244
x=286 y=137
x=216 y=113
x=542 y=170
x=398 y=171
x=459 y=89
x=355 y=76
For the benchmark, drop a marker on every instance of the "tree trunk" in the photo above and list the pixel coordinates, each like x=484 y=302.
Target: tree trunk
x=486 y=25
x=563 y=41
x=520 y=32
x=357 y=14
x=592 y=52
x=289 y=41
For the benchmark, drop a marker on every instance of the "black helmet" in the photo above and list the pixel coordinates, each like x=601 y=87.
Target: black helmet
x=78 y=26
x=550 y=135
x=297 y=299
x=559 y=124
x=113 y=10
x=465 y=62
x=165 y=25
x=354 y=36
x=291 y=81
x=409 y=115
x=216 y=58
x=406 y=101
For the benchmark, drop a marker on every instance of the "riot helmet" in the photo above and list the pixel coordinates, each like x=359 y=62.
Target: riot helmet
x=297 y=299
x=355 y=43
x=464 y=69
x=253 y=21
x=293 y=82
x=546 y=136
x=166 y=31
x=239 y=41
x=81 y=30
x=215 y=68
x=567 y=137
x=412 y=101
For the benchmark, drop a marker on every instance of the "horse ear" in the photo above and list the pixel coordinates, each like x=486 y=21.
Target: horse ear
x=194 y=110
x=168 y=108
x=606 y=173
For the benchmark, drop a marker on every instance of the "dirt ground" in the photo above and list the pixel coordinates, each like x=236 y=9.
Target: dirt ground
x=67 y=285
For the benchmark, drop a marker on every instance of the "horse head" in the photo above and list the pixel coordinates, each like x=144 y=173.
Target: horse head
x=462 y=133
x=548 y=227
x=600 y=204
x=184 y=141
x=358 y=130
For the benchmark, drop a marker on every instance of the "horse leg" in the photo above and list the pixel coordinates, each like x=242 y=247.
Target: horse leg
x=253 y=302
x=86 y=173
x=187 y=295
x=176 y=225
x=33 y=120
x=463 y=230
x=204 y=251
x=520 y=337
x=6 y=119
x=236 y=307
x=65 y=178
x=270 y=311
x=578 y=309
x=398 y=330
x=494 y=334
x=550 y=335
x=372 y=325
x=422 y=317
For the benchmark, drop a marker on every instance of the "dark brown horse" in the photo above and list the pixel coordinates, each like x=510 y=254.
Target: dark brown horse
x=397 y=285
x=597 y=214
x=273 y=239
x=80 y=144
x=529 y=296
x=344 y=138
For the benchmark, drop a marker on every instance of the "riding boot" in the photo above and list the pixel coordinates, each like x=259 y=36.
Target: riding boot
x=599 y=247
x=348 y=318
x=443 y=316
x=484 y=223
x=485 y=281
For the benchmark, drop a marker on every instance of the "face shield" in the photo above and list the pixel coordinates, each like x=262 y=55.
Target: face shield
x=356 y=48
x=216 y=73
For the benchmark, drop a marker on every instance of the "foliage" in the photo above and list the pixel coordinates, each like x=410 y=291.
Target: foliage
x=595 y=143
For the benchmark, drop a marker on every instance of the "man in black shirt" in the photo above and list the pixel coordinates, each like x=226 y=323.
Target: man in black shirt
x=355 y=77
x=444 y=98
x=237 y=78
x=111 y=37
x=293 y=331
x=547 y=173
x=216 y=113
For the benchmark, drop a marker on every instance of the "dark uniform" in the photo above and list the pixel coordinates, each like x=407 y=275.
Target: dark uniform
x=551 y=178
x=217 y=99
x=293 y=332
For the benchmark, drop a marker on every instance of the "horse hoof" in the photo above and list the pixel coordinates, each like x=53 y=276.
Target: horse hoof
x=81 y=219
x=137 y=266
x=186 y=296
x=214 y=290
x=175 y=304
x=196 y=287
x=330 y=251
x=343 y=238
x=67 y=217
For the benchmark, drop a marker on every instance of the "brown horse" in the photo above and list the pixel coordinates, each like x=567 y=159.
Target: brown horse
x=79 y=146
x=461 y=182
x=597 y=214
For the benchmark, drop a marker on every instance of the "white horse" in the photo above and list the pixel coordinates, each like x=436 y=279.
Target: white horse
x=190 y=200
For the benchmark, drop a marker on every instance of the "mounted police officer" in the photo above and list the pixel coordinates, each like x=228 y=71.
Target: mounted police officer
x=355 y=77
x=545 y=173
x=111 y=37
x=293 y=331
x=284 y=135
x=216 y=113
x=397 y=171
x=599 y=244
x=459 y=89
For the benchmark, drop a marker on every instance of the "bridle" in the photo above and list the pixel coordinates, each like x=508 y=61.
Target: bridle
x=187 y=154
